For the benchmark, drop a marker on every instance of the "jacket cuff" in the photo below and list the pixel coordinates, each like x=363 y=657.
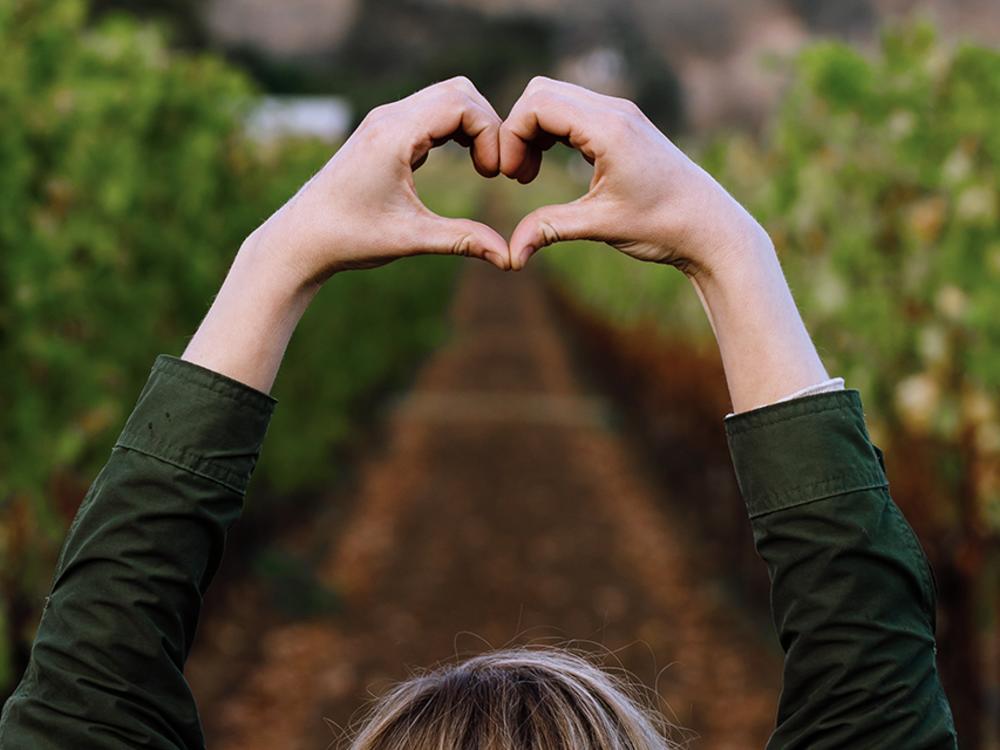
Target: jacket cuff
x=795 y=452
x=199 y=420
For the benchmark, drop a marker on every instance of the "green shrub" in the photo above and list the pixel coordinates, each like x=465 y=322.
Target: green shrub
x=879 y=181
x=881 y=187
x=127 y=187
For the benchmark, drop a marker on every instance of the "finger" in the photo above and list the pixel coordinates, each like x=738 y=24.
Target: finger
x=546 y=112
x=456 y=110
x=485 y=150
x=530 y=167
x=463 y=140
x=442 y=236
x=482 y=168
x=532 y=163
x=535 y=125
x=545 y=141
x=579 y=220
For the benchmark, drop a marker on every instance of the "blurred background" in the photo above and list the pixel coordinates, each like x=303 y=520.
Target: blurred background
x=464 y=460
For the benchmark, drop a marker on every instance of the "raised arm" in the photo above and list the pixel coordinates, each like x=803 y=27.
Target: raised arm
x=851 y=591
x=106 y=668
x=360 y=211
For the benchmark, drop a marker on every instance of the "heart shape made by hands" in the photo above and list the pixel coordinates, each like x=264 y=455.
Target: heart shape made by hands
x=514 y=148
x=642 y=193
x=646 y=198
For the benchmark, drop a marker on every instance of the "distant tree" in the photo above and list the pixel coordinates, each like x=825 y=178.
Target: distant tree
x=658 y=92
x=183 y=17
x=655 y=85
x=398 y=46
x=846 y=17
x=279 y=76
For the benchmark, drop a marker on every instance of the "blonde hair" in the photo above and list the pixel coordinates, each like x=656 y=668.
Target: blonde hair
x=523 y=699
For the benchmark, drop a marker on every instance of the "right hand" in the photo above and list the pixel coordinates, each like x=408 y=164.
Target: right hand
x=646 y=198
x=361 y=209
x=652 y=202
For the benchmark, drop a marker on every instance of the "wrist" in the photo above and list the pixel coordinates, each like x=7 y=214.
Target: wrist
x=273 y=270
x=741 y=260
x=247 y=328
x=766 y=350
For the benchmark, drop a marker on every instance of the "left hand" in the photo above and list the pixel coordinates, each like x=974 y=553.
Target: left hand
x=361 y=209
x=646 y=198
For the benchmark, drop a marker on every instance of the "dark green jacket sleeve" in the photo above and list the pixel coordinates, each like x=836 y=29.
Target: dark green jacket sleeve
x=852 y=594
x=106 y=666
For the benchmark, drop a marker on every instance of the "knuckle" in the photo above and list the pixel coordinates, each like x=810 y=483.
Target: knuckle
x=440 y=95
x=376 y=118
x=550 y=235
x=622 y=119
x=629 y=107
x=454 y=89
x=461 y=82
x=537 y=97
x=463 y=245
x=451 y=95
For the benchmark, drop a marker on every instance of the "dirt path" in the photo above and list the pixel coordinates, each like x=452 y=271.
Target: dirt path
x=503 y=509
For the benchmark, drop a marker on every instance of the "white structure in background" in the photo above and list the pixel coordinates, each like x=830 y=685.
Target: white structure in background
x=325 y=117
x=602 y=69
x=282 y=28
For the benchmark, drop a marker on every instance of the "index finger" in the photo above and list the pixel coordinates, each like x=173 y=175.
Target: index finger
x=547 y=109
x=457 y=107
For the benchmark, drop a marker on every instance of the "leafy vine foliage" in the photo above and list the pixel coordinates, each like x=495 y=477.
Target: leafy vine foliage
x=127 y=186
x=879 y=181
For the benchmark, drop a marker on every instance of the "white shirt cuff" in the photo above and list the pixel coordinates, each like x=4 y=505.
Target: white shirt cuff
x=833 y=384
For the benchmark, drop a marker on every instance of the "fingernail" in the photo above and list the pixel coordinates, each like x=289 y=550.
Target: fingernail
x=524 y=255
x=496 y=259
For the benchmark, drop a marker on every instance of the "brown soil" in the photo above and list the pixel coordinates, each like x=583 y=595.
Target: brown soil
x=503 y=508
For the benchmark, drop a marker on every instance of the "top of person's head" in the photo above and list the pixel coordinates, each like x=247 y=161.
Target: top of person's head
x=524 y=699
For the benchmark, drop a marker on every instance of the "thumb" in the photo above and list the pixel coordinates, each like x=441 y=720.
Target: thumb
x=441 y=236
x=552 y=224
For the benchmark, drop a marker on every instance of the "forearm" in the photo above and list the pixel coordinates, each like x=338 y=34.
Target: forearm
x=766 y=350
x=106 y=666
x=248 y=327
x=852 y=594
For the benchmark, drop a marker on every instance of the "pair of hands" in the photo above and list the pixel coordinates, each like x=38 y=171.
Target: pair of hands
x=646 y=198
